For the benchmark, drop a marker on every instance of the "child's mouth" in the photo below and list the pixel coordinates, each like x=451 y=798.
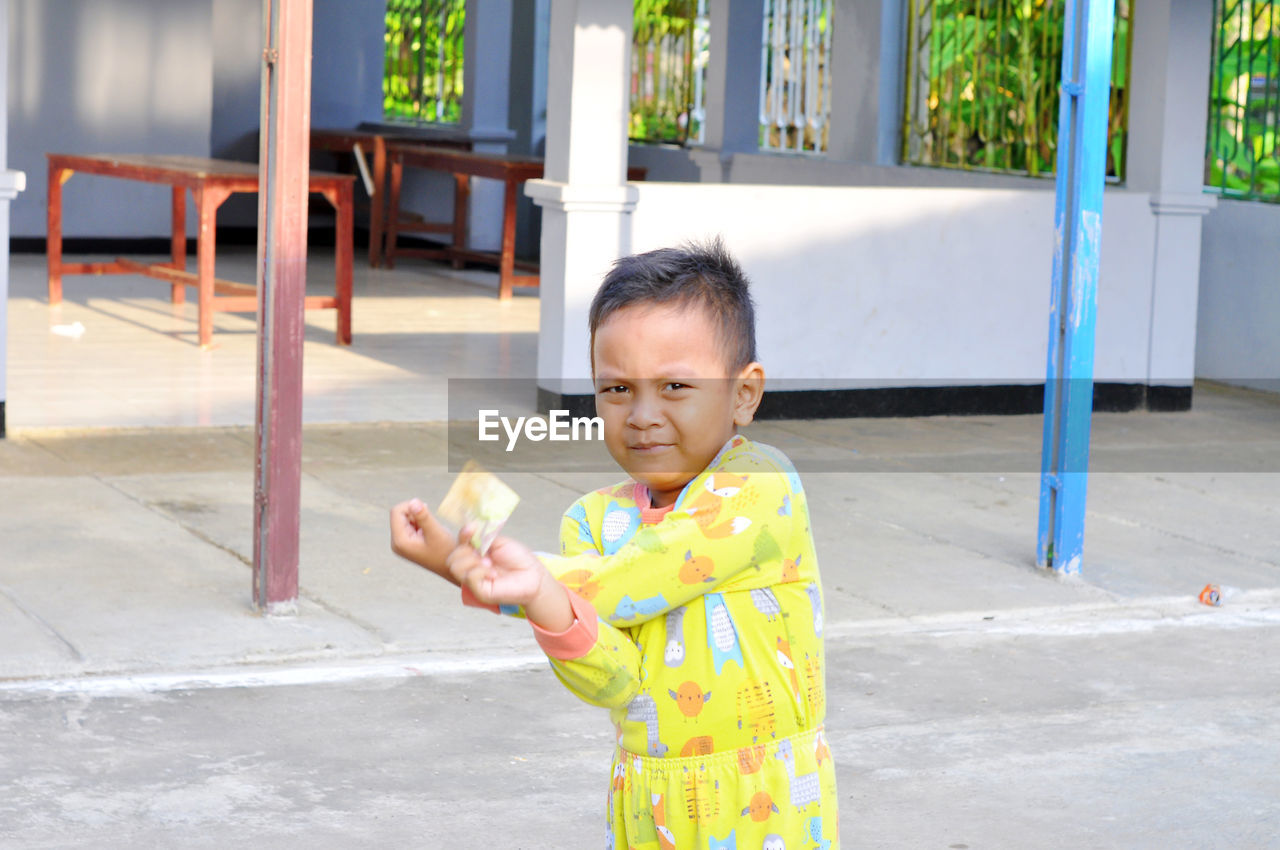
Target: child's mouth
x=649 y=448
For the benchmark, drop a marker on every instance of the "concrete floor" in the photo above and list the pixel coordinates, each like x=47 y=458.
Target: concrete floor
x=138 y=362
x=975 y=700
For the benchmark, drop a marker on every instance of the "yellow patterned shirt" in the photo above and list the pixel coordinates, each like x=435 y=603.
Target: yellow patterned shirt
x=710 y=632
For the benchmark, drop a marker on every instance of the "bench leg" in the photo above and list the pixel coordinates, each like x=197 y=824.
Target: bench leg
x=178 y=242
x=208 y=199
x=507 y=260
x=378 y=202
x=343 y=251
x=461 y=210
x=393 y=212
x=53 y=248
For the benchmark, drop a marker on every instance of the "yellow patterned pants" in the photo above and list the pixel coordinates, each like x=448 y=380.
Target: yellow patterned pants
x=778 y=795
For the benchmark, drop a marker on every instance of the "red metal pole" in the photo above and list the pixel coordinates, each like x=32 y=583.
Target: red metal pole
x=282 y=260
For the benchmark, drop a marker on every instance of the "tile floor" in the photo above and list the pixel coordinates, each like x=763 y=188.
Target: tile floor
x=138 y=363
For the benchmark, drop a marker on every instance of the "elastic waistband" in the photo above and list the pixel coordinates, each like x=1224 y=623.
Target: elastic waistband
x=655 y=764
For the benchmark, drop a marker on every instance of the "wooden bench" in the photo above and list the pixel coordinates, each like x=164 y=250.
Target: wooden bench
x=211 y=182
x=510 y=169
x=373 y=143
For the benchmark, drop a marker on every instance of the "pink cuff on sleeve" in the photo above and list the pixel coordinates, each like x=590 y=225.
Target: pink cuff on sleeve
x=575 y=641
x=469 y=599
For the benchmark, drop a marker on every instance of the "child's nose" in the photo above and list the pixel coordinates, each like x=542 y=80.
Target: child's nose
x=644 y=413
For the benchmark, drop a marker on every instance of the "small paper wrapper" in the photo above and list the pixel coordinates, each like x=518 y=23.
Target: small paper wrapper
x=478 y=496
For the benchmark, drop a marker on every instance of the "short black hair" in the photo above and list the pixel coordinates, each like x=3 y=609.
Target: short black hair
x=701 y=274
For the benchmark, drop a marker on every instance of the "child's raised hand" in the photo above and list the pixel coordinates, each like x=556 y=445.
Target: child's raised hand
x=510 y=574
x=419 y=537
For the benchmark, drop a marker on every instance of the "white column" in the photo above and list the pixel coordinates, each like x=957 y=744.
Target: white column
x=585 y=201
x=11 y=183
x=732 y=93
x=1168 y=101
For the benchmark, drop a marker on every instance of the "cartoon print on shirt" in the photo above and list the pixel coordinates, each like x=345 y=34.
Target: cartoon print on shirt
x=804 y=788
x=629 y=609
x=643 y=710
x=689 y=698
x=815 y=598
x=701 y=796
x=766 y=603
x=729 y=842
x=815 y=833
x=581 y=582
x=619 y=526
x=722 y=637
x=673 y=655
x=790 y=569
x=784 y=658
x=707 y=505
x=698 y=745
x=750 y=759
x=815 y=692
x=666 y=838
x=755 y=709
x=578 y=513
x=760 y=807
x=696 y=570
x=821 y=749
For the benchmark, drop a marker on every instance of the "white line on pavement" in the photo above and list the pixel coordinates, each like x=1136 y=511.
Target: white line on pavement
x=404 y=667
x=1248 y=609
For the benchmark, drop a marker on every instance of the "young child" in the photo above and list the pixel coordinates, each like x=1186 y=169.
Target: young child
x=686 y=599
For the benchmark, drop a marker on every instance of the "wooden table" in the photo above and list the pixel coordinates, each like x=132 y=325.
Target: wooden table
x=375 y=142
x=211 y=181
x=512 y=170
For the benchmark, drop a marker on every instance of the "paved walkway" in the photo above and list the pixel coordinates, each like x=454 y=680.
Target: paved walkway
x=137 y=361
x=976 y=700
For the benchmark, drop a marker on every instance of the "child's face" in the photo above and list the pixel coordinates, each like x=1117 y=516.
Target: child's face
x=665 y=394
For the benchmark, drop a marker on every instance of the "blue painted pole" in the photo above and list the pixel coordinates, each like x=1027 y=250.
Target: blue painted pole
x=1081 y=173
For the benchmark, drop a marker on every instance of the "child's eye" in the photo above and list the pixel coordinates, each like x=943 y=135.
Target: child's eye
x=676 y=385
x=617 y=388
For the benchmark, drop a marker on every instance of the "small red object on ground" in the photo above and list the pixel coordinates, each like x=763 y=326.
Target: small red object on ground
x=1211 y=595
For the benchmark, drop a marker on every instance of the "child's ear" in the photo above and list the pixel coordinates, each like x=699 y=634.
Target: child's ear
x=748 y=390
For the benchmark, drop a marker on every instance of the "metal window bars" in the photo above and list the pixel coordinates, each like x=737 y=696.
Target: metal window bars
x=795 y=76
x=1241 y=157
x=982 y=82
x=669 y=53
x=422 y=76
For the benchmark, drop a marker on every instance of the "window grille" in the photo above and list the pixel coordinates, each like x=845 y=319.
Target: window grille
x=668 y=70
x=1242 y=160
x=795 y=76
x=982 y=85
x=422 y=77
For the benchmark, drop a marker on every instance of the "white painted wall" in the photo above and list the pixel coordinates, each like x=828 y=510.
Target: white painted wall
x=863 y=286
x=1238 y=333
x=89 y=76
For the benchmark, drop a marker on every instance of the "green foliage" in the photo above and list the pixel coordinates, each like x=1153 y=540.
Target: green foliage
x=422 y=76
x=665 y=50
x=984 y=77
x=1244 y=101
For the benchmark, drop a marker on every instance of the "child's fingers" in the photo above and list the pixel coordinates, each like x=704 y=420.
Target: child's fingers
x=422 y=515
x=404 y=533
x=468 y=531
x=464 y=560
